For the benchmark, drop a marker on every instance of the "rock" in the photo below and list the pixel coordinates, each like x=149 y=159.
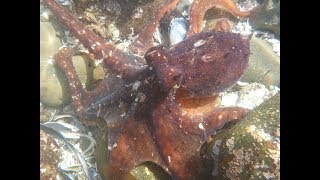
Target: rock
x=268 y=19
x=249 y=149
x=249 y=96
x=53 y=91
x=98 y=73
x=50 y=88
x=264 y=64
x=149 y=170
x=84 y=68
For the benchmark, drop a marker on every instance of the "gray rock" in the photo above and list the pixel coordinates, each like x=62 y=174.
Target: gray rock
x=264 y=64
x=251 y=148
x=268 y=19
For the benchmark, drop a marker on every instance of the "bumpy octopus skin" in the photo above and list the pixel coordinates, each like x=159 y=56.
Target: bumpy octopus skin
x=168 y=96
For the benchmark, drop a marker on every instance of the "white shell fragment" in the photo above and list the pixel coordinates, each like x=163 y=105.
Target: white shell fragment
x=178 y=30
x=250 y=96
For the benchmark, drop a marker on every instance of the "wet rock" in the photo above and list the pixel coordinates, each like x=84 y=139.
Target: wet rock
x=98 y=74
x=264 y=64
x=249 y=96
x=268 y=18
x=84 y=68
x=183 y=5
x=249 y=149
x=149 y=170
x=53 y=91
x=49 y=157
x=50 y=88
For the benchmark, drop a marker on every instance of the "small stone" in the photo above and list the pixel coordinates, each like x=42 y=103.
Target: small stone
x=98 y=73
x=83 y=69
x=149 y=171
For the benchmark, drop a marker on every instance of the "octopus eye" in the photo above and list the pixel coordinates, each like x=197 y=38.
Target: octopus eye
x=171 y=77
x=177 y=79
x=226 y=55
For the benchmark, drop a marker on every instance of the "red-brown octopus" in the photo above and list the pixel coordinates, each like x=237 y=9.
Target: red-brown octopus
x=159 y=104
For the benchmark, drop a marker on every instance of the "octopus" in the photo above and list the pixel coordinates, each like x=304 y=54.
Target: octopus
x=159 y=104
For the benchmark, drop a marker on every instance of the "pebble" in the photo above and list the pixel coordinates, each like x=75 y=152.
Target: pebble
x=98 y=73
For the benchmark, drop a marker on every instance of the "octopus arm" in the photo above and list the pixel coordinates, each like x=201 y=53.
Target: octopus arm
x=86 y=102
x=200 y=7
x=85 y=35
x=181 y=128
x=115 y=59
x=135 y=144
x=145 y=39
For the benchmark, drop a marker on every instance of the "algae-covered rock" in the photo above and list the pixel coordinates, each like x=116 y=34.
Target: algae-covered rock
x=249 y=149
